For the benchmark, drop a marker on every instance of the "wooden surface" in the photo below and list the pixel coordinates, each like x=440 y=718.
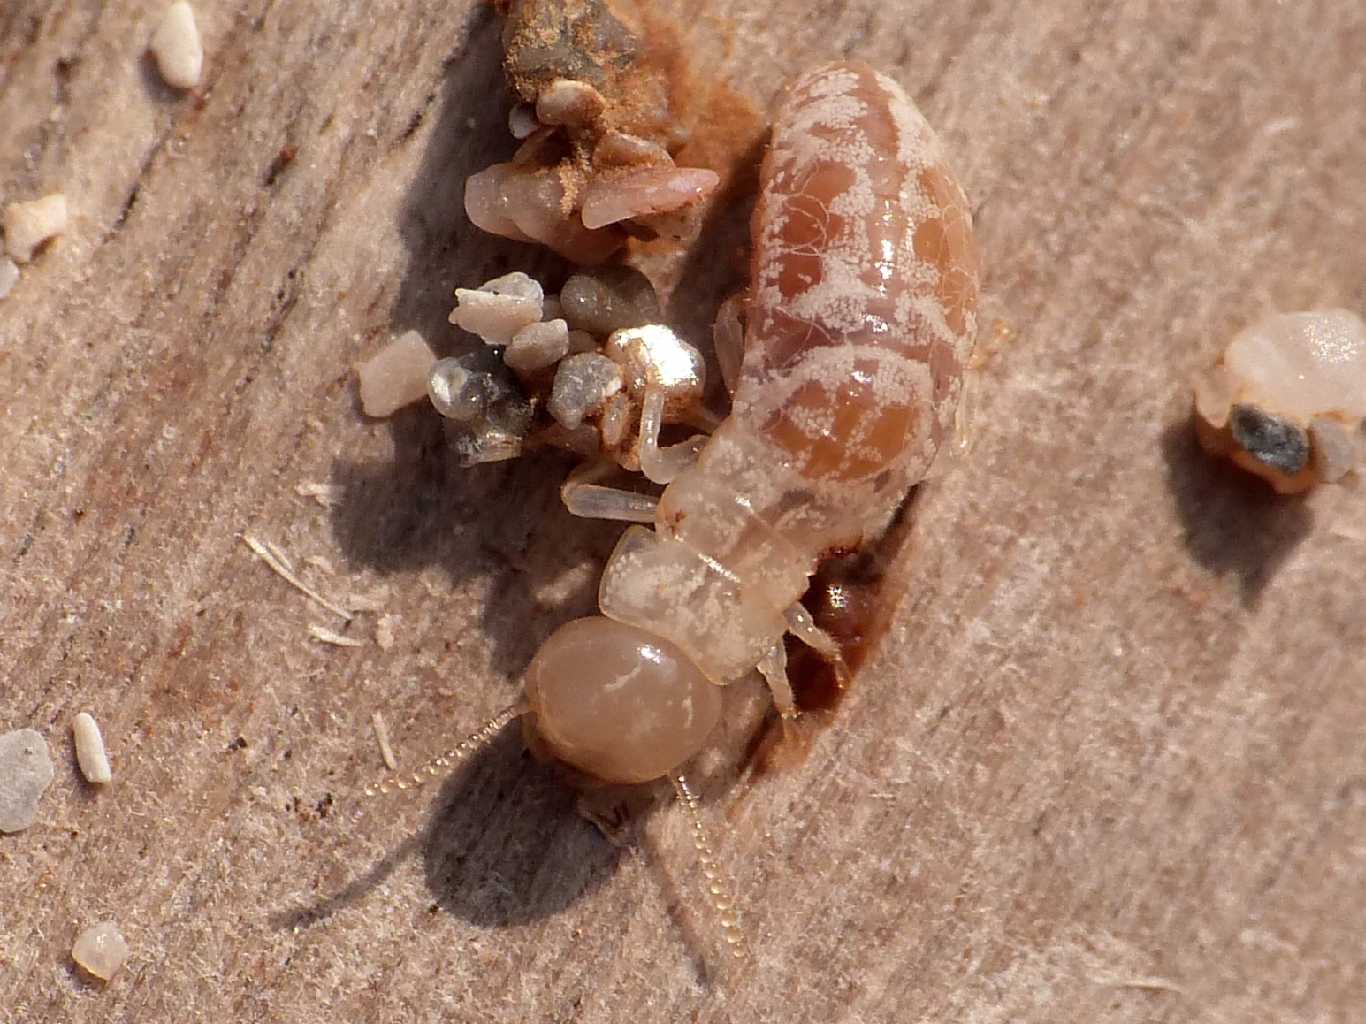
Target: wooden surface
x=1108 y=765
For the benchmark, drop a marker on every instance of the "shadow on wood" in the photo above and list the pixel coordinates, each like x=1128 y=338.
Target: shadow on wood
x=1232 y=521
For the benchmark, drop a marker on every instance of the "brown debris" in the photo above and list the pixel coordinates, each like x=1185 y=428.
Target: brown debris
x=603 y=84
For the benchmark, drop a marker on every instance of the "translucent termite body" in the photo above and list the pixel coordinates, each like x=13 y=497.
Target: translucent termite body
x=845 y=381
x=860 y=316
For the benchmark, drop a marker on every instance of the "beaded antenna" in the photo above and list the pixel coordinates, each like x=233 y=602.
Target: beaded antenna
x=721 y=899
x=445 y=761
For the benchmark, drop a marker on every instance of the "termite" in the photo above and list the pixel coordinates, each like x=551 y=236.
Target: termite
x=859 y=318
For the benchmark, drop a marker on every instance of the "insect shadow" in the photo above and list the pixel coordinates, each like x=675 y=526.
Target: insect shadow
x=1232 y=521
x=501 y=846
x=504 y=845
x=717 y=266
x=501 y=522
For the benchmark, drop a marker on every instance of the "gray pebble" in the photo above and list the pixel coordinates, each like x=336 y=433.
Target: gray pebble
x=582 y=386
x=25 y=773
x=609 y=299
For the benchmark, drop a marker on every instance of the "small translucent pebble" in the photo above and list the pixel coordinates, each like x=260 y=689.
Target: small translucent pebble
x=537 y=346
x=101 y=950
x=1302 y=364
x=396 y=375
x=508 y=411
x=177 y=48
x=90 y=752
x=644 y=191
x=569 y=102
x=488 y=415
x=455 y=392
x=487 y=444
x=583 y=384
x=29 y=225
x=653 y=356
x=1287 y=398
x=9 y=276
x=616 y=417
x=25 y=773
x=607 y=300
x=498 y=309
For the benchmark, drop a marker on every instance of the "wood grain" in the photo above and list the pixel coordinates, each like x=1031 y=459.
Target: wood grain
x=1107 y=766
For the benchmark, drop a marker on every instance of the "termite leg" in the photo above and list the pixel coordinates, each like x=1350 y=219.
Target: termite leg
x=803 y=627
x=661 y=465
x=584 y=497
x=593 y=501
x=728 y=339
x=773 y=667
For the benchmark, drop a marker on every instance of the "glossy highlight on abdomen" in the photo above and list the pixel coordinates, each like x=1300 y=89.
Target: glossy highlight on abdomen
x=863 y=303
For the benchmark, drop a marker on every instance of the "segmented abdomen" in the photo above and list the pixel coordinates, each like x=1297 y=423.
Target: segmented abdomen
x=861 y=314
x=864 y=293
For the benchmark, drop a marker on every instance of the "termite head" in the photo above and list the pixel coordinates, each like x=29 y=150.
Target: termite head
x=607 y=700
x=616 y=703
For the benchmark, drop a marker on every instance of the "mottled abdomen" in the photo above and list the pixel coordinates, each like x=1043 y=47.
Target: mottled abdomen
x=864 y=293
x=861 y=314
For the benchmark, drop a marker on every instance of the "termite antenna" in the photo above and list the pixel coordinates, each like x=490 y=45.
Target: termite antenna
x=720 y=899
x=442 y=762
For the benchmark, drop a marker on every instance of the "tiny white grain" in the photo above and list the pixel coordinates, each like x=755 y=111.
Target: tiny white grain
x=277 y=561
x=90 y=752
x=324 y=635
x=101 y=950
x=29 y=225
x=177 y=48
x=385 y=628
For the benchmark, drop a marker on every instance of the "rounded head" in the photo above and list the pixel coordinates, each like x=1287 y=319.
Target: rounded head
x=617 y=703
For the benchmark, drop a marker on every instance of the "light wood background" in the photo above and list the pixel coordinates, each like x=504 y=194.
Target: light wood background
x=1108 y=766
